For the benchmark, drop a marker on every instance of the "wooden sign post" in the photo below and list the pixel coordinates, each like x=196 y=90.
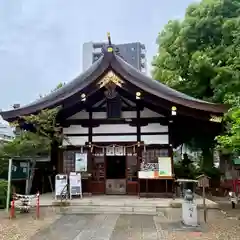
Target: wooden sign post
x=203 y=182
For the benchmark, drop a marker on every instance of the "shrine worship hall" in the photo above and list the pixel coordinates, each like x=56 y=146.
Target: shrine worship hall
x=121 y=127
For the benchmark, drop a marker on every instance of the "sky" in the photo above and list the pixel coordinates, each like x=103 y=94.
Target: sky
x=41 y=40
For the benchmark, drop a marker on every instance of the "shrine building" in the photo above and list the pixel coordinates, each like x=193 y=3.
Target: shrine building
x=121 y=126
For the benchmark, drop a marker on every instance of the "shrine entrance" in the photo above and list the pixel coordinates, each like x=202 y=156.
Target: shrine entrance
x=115 y=175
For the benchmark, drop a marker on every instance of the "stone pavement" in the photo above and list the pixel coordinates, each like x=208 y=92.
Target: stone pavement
x=102 y=227
x=136 y=227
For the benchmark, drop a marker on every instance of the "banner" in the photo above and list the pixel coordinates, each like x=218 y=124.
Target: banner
x=148 y=174
x=165 y=166
x=80 y=162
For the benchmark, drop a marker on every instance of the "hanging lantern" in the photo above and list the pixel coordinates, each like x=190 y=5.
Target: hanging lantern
x=174 y=111
x=83 y=97
x=138 y=95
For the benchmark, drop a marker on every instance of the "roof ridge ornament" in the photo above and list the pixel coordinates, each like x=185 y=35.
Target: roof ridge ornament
x=109 y=47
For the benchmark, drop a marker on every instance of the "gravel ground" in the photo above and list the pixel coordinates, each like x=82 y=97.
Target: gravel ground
x=218 y=227
x=24 y=226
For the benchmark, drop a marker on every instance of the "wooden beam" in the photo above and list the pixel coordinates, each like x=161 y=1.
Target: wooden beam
x=124 y=109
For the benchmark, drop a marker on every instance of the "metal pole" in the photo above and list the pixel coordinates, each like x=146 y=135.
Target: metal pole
x=9 y=183
x=27 y=180
x=204 y=205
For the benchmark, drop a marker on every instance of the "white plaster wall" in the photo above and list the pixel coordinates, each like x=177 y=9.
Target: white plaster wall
x=74 y=129
x=155 y=139
x=115 y=128
x=115 y=138
x=154 y=127
x=146 y=113
x=75 y=141
x=148 y=139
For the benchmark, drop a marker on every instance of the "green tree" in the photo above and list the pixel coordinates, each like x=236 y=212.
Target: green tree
x=200 y=56
x=229 y=142
x=41 y=133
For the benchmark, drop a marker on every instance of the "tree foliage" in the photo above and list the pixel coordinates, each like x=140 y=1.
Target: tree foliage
x=35 y=136
x=200 y=55
x=229 y=142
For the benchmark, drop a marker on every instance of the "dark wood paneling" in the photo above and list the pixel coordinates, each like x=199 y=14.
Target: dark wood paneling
x=152 y=187
x=132 y=188
x=98 y=187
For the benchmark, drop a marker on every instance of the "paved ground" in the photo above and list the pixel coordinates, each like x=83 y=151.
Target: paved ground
x=53 y=226
x=136 y=227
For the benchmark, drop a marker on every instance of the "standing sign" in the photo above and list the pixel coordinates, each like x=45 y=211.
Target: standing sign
x=61 y=181
x=80 y=162
x=203 y=182
x=75 y=182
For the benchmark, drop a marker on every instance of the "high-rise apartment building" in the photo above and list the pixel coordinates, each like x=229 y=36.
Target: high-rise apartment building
x=132 y=53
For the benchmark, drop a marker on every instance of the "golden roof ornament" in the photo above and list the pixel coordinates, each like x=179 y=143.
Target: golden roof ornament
x=110 y=78
x=216 y=119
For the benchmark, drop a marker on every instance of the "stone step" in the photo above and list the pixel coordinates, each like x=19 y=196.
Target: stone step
x=81 y=209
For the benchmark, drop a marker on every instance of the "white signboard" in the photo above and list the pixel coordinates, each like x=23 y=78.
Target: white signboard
x=81 y=162
x=75 y=182
x=165 y=166
x=61 y=181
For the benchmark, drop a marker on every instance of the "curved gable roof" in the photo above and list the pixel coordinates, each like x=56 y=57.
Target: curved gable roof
x=111 y=61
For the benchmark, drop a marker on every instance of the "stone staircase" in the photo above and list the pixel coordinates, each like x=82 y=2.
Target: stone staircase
x=113 y=209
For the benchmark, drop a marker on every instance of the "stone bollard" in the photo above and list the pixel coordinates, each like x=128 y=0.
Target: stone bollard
x=189 y=210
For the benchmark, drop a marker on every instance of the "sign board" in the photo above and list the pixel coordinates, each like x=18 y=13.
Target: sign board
x=189 y=214
x=203 y=181
x=61 y=181
x=20 y=170
x=75 y=184
x=80 y=162
x=165 y=166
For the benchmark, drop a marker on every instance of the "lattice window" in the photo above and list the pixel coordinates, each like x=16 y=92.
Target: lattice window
x=98 y=171
x=150 y=158
x=69 y=161
x=131 y=168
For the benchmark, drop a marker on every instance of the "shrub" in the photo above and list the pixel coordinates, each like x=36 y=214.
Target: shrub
x=3 y=193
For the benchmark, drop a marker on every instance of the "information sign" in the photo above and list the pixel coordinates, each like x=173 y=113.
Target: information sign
x=75 y=182
x=61 y=181
x=165 y=166
x=80 y=162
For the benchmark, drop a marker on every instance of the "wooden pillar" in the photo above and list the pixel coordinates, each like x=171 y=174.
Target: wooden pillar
x=90 y=156
x=170 y=151
x=139 y=152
